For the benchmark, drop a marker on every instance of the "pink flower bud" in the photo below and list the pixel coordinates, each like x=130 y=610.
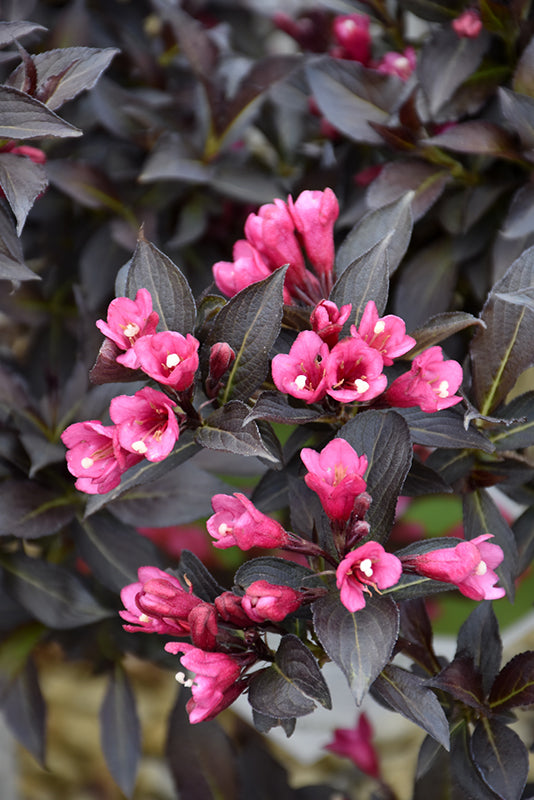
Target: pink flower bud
x=272 y=233
x=158 y=603
x=301 y=373
x=202 y=621
x=146 y=423
x=354 y=371
x=468 y=24
x=169 y=358
x=35 y=154
x=314 y=214
x=385 y=334
x=400 y=64
x=336 y=475
x=430 y=384
x=237 y=521
x=127 y=321
x=356 y=744
x=247 y=267
x=327 y=320
x=229 y=607
x=368 y=565
x=351 y=32
x=266 y=601
x=221 y=359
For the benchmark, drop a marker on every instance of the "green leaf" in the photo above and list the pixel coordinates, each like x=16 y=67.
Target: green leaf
x=227 y=430
x=250 y=323
x=171 y=296
x=120 y=731
x=360 y=643
x=23 y=117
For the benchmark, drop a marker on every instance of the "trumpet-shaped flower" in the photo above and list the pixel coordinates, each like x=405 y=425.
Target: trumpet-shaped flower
x=368 y=565
x=385 y=334
x=247 y=267
x=356 y=744
x=314 y=214
x=127 y=321
x=169 y=358
x=237 y=521
x=336 y=475
x=157 y=603
x=430 y=383
x=301 y=373
x=146 y=423
x=354 y=371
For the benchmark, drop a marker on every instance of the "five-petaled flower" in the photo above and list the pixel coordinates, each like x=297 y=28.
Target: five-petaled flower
x=469 y=566
x=127 y=321
x=237 y=521
x=368 y=565
x=146 y=423
x=169 y=358
x=354 y=371
x=301 y=373
x=336 y=474
x=356 y=743
x=385 y=334
x=430 y=383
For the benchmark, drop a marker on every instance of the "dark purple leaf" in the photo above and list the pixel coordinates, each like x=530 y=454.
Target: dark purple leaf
x=192 y=572
x=481 y=516
x=514 y=685
x=520 y=218
x=393 y=221
x=518 y=110
x=360 y=643
x=250 y=323
x=413 y=587
x=120 y=732
x=410 y=696
x=278 y=571
x=350 y=96
x=479 y=639
x=107 y=370
x=274 y=406
x=475 y=136
x=226 y=430
x=264 y=723
x=365 y=279
x=463 y=681
x=23 y=117
x=17 y=29
x=384 y=437
x=523 y=81
x=12 y=266
x=440 y=327
x=78 y=69
x=201 y=757
x=113 y=551
x=467 y=782
x=451 y=465
x=30 y=511
x=86 y=184
x=289 y=688
x=171 y=296
x=445 y=62
x=500 y=757
x=22 y=182
x=25 y=711
x=415 y=637
x=433 y=777
x=523 y=529
x=422 y=479
x=424 y=181
x=519 y=432
x=41 y=451
x=261 y=775
x=503 y=350
x=51 y=593
x=173 y=159
x=433 y=10
x=444 y=429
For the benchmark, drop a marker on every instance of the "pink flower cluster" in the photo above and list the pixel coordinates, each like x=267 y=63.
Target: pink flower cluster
x=351 y=370
x=145 y=424
x=158 y=603
x=286 y=233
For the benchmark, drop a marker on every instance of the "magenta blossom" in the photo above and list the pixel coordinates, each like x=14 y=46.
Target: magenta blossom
x=169 y=358
x=468 y=24
x=301 y=373
x=354 y=371
x=272 y=233
x=327 y=320
x=314 y=214
x=157 y=603
x=237 y=521
x=368 y=565
x=430 y=384
x=216 y=683
x=385 y=334
x=95 y=456
x=470 y=566
x=127 y=321
x=356 y=743
x=400 y=64
x=247 y=267
x=266 y=601
x=336 y=474
x=146 y=423
x=351 y=32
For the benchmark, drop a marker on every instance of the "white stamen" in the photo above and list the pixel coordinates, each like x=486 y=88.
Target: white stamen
x=180 y=677
x=349 y=25
x=380 y=327
x=139 y=447
x=87 y=462
x=402 y=63
x=360 y=385
x=144 y=618
x=300 y=381
x=443 y=389
x=223 y=529
x=172 y=360
x=131 y=330
x=366 y=566
x=482 y=568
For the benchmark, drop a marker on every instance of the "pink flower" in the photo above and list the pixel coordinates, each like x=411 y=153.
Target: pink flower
x=400 y=64
x=216 y=684
x=468 y=24
x=368 y=565
x=146 y=423
x=95 y=456
x=327 y=320
x=127 y=321
x=272 y=233
x=169 y=358
x=469 y=566
x=314 y=214
x=354 y=371
x=430 y=383
x=35 y=154
x=351 y=32
x=356 y=744
x=385 y=334
x=237 y=521
x=367 y=175
x=247 y=267
x=266 y=601
x=221 y=359
x=336 y=474
x=301 y=373
x=157 y=603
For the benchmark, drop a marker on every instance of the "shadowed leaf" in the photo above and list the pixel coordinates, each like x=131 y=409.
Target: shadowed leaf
x=500 y=757
x=120 y=732
x=227 y=430
x=24 y=710
x=514 y=685
x=23 y=117
x=22 y=182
